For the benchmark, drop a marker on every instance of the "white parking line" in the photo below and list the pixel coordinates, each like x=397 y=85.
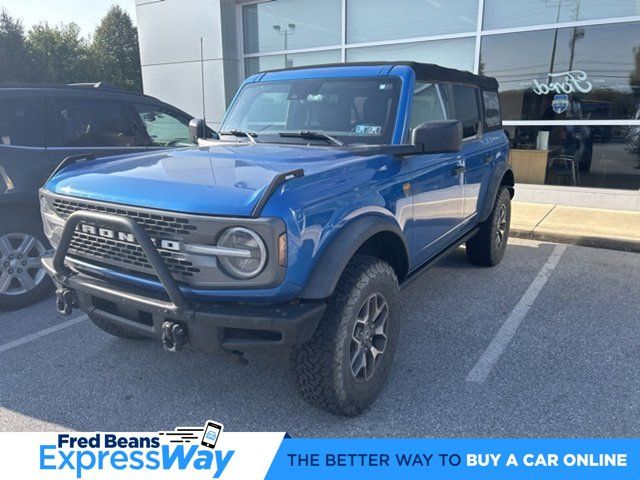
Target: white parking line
x=481 y=370
x=43 y=333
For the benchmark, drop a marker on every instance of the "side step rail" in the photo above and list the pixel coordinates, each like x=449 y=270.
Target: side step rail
x=432 y=261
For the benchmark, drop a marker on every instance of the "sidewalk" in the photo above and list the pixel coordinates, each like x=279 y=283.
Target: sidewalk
x=614 y=229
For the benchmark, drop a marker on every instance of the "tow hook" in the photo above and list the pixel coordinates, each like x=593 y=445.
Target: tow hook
x=64 y=301
x=173 y=336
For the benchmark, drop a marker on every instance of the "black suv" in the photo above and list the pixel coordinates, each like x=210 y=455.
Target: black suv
x=40 y=125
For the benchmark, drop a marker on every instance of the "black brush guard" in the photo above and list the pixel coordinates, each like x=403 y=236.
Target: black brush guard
x=213 y=327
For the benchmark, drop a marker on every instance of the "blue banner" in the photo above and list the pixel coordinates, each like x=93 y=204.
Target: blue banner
x=406 y=459
x=197 y=453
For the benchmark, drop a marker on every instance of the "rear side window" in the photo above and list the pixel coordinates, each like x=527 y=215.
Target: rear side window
x=466 y=109
x=22 y=121
x=162 y=126
x=492 y=116
x=91 y=123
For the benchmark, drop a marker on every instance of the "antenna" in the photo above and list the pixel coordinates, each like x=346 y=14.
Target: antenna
x=204 y=114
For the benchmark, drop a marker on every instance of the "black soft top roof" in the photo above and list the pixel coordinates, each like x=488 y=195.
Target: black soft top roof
x=429 y=72
x=436 y=73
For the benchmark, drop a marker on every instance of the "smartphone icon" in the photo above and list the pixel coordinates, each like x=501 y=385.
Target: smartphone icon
x=212 y=431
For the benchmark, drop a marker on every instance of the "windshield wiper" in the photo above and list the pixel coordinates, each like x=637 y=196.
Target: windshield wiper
x=241 y=133
x=313 y=135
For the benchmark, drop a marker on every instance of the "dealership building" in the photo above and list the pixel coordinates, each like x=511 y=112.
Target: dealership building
x=569 y=70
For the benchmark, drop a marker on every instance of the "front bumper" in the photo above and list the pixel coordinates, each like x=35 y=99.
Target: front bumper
x=210 y=327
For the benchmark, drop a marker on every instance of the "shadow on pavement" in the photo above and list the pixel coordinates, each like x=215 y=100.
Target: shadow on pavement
x=83 y=379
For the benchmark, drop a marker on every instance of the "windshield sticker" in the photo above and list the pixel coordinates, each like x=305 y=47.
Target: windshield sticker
x=369 y=129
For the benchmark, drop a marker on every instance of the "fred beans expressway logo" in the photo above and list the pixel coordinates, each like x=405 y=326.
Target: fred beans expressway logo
x=186 y=450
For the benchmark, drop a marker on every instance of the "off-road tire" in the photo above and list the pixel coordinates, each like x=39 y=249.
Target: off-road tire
x=115 y=330
x=24 y=225
x=485 y=248
x=322 y=367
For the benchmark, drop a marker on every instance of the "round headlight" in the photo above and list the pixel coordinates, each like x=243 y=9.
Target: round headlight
x=247 y=254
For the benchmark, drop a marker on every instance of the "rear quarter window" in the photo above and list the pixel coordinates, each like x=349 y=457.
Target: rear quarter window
x=492 y=115
x=22 y=121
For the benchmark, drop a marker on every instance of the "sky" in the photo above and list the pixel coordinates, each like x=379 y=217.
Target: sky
x=86 y=13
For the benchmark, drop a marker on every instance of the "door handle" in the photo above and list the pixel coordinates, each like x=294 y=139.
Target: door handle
x=458 y=169
x=487 y=158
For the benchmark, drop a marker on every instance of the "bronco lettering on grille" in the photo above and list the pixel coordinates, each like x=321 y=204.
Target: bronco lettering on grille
x=172 y=245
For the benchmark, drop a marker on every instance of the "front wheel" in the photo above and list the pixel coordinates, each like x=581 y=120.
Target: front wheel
x=347 y=361
x=23 y=280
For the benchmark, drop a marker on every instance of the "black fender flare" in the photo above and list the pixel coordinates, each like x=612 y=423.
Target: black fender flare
x=330 y=264
x=498 y=174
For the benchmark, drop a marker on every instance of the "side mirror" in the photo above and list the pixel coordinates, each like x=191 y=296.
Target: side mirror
x=438 y=136
x=198 y=130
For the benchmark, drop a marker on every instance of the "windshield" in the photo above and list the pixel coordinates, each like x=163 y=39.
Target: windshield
x=352 y=110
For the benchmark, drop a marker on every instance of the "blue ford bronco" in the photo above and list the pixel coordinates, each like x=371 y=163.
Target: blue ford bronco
x=325 y=191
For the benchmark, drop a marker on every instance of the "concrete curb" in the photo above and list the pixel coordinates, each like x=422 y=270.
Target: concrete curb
x=622 y=244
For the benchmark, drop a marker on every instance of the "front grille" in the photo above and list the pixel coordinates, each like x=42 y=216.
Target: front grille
x=87 y=245
x=156 y=225
x=92 y=250
x=130 y=256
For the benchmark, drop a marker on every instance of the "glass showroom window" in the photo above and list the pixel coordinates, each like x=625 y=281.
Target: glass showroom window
x=272 y=62
x=606 y=156
x=585 y=73
x=455 y=53
x=291 y=24
x=370 y=20
x=591 y=74
x=517 y=13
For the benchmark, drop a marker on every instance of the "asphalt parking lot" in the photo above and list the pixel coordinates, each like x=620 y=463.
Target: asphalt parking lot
x=546 y=344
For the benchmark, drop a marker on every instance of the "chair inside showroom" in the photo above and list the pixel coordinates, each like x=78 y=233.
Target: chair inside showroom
x=567 y=167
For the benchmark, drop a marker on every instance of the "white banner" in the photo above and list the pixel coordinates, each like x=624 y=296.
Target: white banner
x=182 y=453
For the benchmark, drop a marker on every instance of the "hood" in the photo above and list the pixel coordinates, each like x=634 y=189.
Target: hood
x=221 y=179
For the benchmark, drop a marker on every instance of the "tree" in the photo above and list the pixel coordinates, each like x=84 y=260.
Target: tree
x=14 y=61
x=115 y=50
x=58 y=54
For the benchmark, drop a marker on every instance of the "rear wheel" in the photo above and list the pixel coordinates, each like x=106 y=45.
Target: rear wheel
x=487 y=247
x=346 y=363
x=23 y=280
